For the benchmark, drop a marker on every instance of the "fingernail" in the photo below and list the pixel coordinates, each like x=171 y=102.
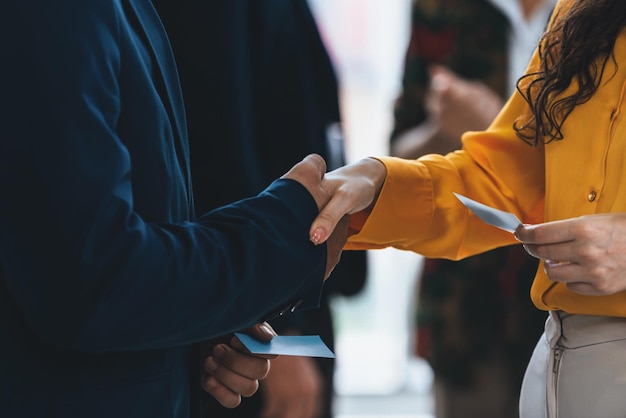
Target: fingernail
x=219 y=351
x=210 y=365
x=211 y=382
x=268 y=330
x=556 y=263
x=316 y=236
x=520 y=226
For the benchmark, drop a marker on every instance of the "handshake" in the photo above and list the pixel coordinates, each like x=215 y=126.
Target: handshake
x=230 y=371
x=338 y=194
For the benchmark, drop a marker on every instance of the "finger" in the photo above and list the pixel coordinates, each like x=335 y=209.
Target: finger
x=236 y=344
x=238 y=378
x=221 y=393
x=318 y=162
x=234 y=382
x=546 y=233
x=326 y=221
x=562 y=272
x=556 y=264
x=558 y=253
x=335 y=244
x=531 y=250
x=262 y=332
x=583 y=288
x=252 y=366
x=312 y=162
x=310 y=174
x=591 y=287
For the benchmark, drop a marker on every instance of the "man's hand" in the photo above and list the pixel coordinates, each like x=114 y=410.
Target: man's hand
x=310 y=172
x=588 y=253
x=292 y=389
x=231 y=372
x=335 y=244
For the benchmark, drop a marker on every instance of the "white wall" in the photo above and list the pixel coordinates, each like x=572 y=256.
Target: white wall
x=367 y=41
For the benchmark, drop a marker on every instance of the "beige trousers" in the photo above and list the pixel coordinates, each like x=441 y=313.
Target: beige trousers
x=578 y=369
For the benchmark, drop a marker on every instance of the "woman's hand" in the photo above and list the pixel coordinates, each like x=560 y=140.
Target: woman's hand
x=588 y=253
x=351 y=188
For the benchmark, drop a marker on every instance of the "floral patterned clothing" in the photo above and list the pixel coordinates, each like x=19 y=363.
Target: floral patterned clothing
x=467 y=309
x=468 y=36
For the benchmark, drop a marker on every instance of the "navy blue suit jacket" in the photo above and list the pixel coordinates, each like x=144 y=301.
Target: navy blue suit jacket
x=107 y=278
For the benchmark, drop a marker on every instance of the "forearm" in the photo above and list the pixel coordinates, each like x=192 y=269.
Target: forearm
x=156 y=286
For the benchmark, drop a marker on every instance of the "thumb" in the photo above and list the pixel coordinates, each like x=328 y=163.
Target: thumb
x=309 y=172
x=327 y=220
x=262 y=332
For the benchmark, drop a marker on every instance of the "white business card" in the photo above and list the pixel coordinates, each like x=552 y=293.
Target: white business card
x=498 y=218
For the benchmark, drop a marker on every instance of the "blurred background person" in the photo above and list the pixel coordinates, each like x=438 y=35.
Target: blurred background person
x=256 y=76
x=475 y=324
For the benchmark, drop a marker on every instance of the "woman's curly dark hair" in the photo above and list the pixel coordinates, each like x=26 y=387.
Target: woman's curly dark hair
x=576 y=48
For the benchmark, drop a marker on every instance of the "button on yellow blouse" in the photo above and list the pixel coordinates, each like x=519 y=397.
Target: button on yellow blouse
x=592 y=196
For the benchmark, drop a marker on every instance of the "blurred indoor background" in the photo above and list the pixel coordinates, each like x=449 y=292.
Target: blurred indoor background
x=377 y=376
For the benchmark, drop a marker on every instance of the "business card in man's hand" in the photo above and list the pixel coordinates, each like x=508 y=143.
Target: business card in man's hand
x=288 y=345
x=495 y=217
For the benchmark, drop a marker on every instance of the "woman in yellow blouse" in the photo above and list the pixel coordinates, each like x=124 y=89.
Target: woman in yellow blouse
x=554 y=157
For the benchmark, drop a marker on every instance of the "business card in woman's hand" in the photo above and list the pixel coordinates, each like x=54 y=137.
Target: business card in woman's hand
x=495 y=217
x=288 y=345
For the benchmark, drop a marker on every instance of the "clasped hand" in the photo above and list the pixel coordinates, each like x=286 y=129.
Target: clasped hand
x=339 y=193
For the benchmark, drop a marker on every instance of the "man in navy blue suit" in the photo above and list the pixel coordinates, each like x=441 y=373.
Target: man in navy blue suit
x=107 y=277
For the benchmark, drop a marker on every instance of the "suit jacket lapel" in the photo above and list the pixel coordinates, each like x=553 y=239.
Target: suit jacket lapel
x=167 y=80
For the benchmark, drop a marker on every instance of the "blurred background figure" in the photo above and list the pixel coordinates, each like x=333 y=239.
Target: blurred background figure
x=475 y=324
x=256 y=75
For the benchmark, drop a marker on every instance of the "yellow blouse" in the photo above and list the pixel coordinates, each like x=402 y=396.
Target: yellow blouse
x=581 y=174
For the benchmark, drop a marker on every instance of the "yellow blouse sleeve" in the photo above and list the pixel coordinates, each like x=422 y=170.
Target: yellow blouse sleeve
x=417 y=211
